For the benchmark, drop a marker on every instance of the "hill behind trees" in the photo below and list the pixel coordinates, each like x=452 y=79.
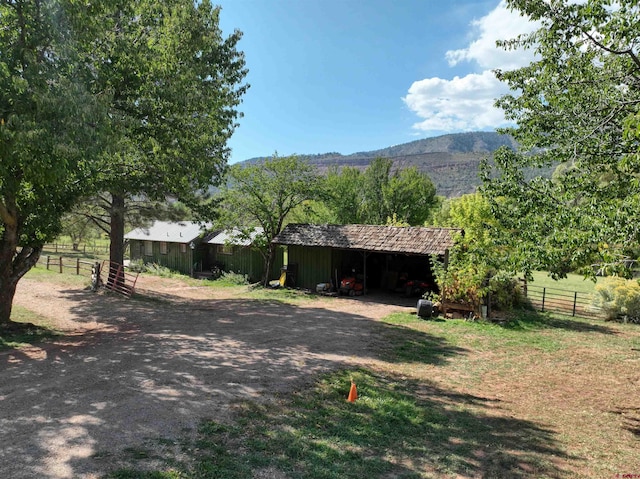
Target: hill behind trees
x=451 y=161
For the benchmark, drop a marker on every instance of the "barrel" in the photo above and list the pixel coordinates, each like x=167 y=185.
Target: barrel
x=425 y=308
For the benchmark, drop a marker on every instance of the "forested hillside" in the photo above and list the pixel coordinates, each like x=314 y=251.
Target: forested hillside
x=451 y=160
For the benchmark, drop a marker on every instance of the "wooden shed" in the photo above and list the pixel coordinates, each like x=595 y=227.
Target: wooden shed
x=381 y=254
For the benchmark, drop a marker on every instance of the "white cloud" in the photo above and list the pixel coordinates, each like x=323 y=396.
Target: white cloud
x=459 y=104
x=466 y=103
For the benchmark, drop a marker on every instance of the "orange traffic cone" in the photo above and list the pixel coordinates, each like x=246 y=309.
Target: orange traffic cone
x=353 y=393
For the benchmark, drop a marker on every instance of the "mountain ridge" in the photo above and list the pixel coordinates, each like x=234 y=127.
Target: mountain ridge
x=451 y=161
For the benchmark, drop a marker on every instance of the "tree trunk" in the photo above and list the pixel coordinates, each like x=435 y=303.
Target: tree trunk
x=7 y=292
x=116 y=238
x=268 y=264
x=14 y=266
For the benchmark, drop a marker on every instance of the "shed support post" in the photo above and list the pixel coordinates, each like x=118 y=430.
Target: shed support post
x=364 y=269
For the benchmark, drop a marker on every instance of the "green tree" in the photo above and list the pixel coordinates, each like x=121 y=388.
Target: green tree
x=377 y=195
x=343 y=191
x=410 y=196
x=263 y=195
x=373 y=206
x=49 y=127
x=575 y=106
x=173 y=84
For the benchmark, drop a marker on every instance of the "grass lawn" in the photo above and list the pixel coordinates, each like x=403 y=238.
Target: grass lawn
x=542 y=396
x=29 y=328
x=573 y=282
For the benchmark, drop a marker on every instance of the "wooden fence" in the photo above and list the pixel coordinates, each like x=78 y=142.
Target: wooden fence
x=110 y=275
x=572 y=303
x=77 y=248
x=59 y=263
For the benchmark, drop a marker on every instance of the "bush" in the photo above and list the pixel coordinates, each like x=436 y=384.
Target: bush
x=233 y=279
x=505 y=290
x=158 y=270
x=618 y=298
x=137 y=265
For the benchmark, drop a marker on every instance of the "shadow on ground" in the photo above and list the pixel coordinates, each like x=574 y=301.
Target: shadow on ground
x=161 y=365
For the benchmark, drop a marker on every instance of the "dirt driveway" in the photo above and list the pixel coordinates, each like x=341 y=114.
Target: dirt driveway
x=134 y=371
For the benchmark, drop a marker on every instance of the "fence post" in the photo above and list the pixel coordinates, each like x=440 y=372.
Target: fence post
x=48 y=261
x=60 y=264
x=544 y=293
x=575 y=300
x=77 y=266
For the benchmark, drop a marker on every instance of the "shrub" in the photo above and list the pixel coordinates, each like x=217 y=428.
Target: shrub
x=137 y=265
x=618 y=298
x=158 y=270
x=505 y=290
x=233 y=279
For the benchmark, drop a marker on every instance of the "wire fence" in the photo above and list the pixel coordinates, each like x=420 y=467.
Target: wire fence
x=573 y=303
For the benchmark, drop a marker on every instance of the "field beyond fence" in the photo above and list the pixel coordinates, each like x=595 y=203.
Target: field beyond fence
x=573 y=303
x=84 y=248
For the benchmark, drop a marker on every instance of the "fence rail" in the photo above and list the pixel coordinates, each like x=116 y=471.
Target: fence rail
x=77 y=248
x=62 y=264
x=118 y=279
x=112 y=276
x=573 y=303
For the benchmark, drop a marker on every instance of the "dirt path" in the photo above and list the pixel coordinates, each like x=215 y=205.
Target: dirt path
x=134 y=371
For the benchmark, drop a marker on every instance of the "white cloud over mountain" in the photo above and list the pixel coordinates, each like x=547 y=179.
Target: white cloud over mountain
x=466 y=103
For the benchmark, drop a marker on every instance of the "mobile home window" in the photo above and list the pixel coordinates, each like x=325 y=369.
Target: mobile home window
x=148 y=248
x=163 y=248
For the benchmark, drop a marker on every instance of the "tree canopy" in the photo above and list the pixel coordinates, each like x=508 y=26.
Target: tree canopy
x=378 y=194
x=173 y=85
x=50 y=129
x=263 y=195
x=127 y=99
x=576 y=107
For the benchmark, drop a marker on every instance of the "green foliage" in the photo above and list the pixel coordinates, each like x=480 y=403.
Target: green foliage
x=505 y=290
x=158 y=270
x=137 y=265
x=264 y=194
x=50 y=130
x=172 y=84
x=229 y=278
x=618 y=298
x=576 y=107
x=476 y=264
x=461 y=281
x=376 y=194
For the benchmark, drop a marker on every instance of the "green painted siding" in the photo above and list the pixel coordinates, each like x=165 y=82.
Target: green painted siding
x=315 y=265
x=243 y=260
x=176 y=257
x=238 y=259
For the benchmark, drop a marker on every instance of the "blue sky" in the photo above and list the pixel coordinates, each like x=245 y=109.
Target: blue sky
x=358 y=75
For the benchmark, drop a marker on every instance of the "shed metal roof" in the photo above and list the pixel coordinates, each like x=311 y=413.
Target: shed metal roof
x=233 y=237
x=384 y=239
x=168 y=231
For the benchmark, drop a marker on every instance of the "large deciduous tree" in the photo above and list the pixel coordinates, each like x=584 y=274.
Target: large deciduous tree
x=263 y=195
x=49 y=128
x=575 y=106
x=378 y=194
x=173 y=84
